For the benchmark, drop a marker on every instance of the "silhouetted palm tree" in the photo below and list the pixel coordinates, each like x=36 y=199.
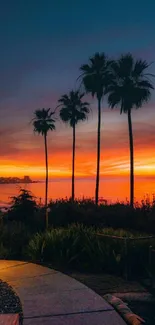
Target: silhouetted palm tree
x=130 y=88
x=43 y=123
x=72 y=111
x=96 y=77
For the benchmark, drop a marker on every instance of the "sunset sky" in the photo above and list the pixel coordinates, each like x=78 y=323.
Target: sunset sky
x=43 y=44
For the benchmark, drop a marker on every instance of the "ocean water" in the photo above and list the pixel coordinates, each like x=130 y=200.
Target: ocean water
x=112 y=188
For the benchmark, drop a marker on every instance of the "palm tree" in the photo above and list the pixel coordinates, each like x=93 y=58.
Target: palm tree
x=43 y=123
x=130 y=88
x=73 y=110
x=96 y=76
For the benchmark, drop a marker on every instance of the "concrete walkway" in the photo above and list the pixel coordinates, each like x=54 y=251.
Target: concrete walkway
x=52 y=298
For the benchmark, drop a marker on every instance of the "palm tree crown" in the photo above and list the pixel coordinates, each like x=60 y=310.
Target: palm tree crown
x=96 y=74
x=73 y=109
x=43 y=121
x=130 y=86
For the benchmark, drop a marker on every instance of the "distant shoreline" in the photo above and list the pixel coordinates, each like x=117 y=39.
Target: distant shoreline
x=17 y=180
x=1 y=183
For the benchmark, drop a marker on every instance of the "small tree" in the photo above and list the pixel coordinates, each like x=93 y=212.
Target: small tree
x=23 y=206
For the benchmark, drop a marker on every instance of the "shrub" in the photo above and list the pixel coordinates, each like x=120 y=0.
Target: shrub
x=119 y=215
x=23 y=207
x=4 y=252
x=14 y=238
x=80 y=248
x=65 y=212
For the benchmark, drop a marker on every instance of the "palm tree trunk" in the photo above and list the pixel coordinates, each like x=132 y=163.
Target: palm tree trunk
x=73 y=165
x=131 y=160
x=46 y=184
x=98 y=152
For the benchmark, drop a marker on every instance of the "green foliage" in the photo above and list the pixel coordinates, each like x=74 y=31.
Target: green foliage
x=80 y=248
x=14 y=238
x=4 y=252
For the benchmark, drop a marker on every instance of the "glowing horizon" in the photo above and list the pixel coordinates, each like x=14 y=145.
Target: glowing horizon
x=23 y=153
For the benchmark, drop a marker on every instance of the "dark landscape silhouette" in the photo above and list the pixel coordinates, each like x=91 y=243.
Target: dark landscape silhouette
x=16 y=180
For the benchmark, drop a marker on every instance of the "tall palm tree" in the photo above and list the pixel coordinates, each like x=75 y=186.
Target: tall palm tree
x=73 y=110
x=96 y=76
x=43 y=123
x=130 y=88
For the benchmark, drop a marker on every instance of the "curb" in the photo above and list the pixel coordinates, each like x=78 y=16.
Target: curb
x=123 y=310
x=9 y=319
x=135 y=296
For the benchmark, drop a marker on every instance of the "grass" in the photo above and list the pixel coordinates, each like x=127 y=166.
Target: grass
x=80 y=248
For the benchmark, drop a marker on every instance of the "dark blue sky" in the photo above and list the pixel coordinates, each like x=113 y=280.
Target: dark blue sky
x=43 y=44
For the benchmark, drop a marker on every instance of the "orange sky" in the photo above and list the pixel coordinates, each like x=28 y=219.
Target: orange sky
x=42 y=48
x=22 y=152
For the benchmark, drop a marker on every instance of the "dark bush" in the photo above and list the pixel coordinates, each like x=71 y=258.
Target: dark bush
x=14 y=238
x=65 y=212
x=80 y=248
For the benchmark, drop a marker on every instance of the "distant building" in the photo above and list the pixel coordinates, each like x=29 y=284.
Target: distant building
x=16 y=180
x=27 y=179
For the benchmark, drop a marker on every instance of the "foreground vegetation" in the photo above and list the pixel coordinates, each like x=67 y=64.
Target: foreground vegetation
x=81 y=236
x=80 y=248
x=77 y=248
x=62 y=213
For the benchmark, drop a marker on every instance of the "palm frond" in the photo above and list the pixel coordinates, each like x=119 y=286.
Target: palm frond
x=42 y=121
x=95 y=74
x=73 y=109
x=140 y=67
x=126 y=63
x=114 y=99
x=85 y=68
x=129 y=86
x=145 y=84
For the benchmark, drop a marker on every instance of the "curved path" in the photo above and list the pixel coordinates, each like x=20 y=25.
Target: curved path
x=52 y=298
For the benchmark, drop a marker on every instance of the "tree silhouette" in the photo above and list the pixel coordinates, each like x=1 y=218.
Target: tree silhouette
x=73 y=110
x=96 y=77
x=23 y=207
x=130 y=88
x=43 y=123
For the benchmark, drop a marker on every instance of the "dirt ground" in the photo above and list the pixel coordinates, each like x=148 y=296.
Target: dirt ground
x=137 y=297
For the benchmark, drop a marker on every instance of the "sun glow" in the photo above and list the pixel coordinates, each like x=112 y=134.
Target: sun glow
x=83 y=168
